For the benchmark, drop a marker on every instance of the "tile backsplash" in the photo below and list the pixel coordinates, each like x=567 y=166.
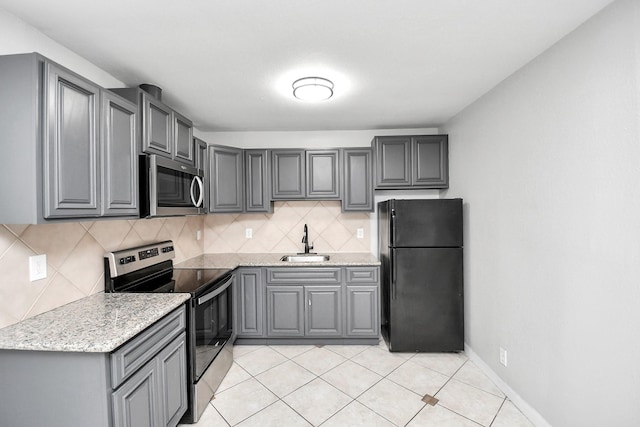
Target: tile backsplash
x=75 y=253
x=330 y=229
x=75 y=250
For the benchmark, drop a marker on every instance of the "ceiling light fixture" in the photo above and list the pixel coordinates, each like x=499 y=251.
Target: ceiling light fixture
x=313 y=89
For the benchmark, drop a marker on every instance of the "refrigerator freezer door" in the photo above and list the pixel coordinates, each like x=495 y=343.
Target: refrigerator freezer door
x=426 y=223
x=426 y=301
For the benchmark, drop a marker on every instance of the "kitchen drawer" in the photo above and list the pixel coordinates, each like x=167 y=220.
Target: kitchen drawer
x=304 y=275
x=362 y=275
x=138 y=351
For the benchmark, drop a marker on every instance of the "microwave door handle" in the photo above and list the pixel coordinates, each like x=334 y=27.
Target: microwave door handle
x=198 y=203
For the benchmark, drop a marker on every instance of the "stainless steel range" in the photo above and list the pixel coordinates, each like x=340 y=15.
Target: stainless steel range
x=210 y=333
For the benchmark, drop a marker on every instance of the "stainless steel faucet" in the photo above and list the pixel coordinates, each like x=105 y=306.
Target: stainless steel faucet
x=305 y=240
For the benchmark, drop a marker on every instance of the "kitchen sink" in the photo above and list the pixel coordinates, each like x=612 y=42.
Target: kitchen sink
x=305 y=258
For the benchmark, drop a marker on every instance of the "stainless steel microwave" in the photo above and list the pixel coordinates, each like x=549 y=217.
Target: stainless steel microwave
x=169 y=188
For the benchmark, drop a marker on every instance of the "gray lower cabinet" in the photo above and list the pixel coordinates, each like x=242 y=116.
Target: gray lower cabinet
x=323 y=311
x=71 y=145
x=250 y=297
x=363 y=312
x=226 y=185
x=285 y=311
x=357 y=180
x=155 y=394
x=411 y=161
x=142 y=383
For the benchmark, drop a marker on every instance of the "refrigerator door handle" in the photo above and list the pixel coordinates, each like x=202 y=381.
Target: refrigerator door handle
x=394 y=274
x=392 y=232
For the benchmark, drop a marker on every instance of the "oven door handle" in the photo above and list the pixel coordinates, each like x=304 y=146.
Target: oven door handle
x=197 y=203
x=216 y=292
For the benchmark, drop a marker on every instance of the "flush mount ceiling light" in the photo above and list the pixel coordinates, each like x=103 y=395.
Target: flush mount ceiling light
x=313 y=89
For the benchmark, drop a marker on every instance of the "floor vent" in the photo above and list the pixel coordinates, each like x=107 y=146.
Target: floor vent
x=430 y=400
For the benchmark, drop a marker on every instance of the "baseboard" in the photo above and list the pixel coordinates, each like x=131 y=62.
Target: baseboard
x=533 y=415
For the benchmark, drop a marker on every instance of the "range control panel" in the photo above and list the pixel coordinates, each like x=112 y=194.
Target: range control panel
x=128 y=260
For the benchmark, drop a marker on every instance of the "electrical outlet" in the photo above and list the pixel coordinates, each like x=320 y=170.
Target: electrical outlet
x=37 y=267
x=248 y=233
x=503 y=356
x=360 y=233
x=198 y=235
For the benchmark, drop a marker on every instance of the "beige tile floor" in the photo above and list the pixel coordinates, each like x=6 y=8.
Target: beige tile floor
x=355 y=386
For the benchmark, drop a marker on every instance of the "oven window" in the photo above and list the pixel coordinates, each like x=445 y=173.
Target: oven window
x=213 y=321
x=174 y=188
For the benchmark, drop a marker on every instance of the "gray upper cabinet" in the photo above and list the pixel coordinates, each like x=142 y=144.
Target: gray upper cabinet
x=323 y=174
x=288 y=174
x=157 y=126
x=164 y=131
x=183 y=145
x=430 y=167
x=256 y=178
x=411 y=161
x=357 y=181
x=70 y=145
x=119 y=156
x=393 y=161
x=300 y=174
x=226 y=187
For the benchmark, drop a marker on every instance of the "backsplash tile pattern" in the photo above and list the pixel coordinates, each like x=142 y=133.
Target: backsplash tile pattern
x=75 y=249
x=330 y=229
x=75 y=252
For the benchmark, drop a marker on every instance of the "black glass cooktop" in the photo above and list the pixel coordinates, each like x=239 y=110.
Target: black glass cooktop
x=196 y=281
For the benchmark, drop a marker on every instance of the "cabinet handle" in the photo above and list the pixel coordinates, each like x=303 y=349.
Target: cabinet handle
x=197 y=203
x=309 y=302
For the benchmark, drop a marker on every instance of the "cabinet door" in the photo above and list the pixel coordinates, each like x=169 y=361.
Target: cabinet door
x=135 y=403
x=357 y=171
x=71 y=145
x=393 y=161
x=285 y=311
x=256 y=170
x=323 y=311
x=119 y=156
x=323 y=176
x=250 y=303
x=288 y=170
x=172 y=369
x=430 y=167
x=183 y=139
x=225 y=179
x=157 y=127
x=362 y=311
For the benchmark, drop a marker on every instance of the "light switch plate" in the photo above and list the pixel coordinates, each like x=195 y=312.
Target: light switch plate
x=38 y=267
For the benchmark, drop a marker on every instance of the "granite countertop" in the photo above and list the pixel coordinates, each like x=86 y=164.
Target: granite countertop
x=273 y=260
x=99 y=323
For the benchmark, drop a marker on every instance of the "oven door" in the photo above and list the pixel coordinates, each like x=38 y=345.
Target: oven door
x=171 y=188
x=213 y=322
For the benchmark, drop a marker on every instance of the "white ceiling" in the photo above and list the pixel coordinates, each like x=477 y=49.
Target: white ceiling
x=228 y=65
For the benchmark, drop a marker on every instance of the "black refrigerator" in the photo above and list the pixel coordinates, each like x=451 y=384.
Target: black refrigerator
x=420 y=250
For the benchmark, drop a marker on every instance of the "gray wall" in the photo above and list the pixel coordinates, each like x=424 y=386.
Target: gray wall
x=548 y=163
